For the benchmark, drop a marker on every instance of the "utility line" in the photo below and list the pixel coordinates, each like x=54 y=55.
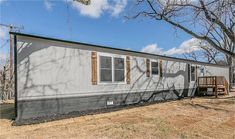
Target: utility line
x=11 y=27
x=16 y=28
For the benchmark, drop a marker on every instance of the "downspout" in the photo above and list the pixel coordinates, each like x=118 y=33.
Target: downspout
x=15 y=73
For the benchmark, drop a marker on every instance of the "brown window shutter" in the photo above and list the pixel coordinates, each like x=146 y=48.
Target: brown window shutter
x=128 y=70
x=94 y=68
x=161 y=68
x=147 y=67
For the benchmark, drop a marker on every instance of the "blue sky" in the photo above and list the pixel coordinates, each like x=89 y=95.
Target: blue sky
x=101 y=23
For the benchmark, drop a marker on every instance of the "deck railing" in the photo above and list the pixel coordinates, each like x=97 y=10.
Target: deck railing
x=206 y=81
x=215 y=82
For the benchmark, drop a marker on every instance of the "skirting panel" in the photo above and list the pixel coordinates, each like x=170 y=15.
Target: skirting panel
x=29 y=111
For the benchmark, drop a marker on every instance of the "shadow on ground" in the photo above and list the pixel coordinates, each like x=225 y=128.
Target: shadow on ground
x=7 y=111
x=217 y=105
x=208 y=107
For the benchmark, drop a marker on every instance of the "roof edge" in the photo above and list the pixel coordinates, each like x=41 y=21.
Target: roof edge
x=119 y=49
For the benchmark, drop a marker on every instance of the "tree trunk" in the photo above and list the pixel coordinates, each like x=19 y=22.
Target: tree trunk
x=232 y=69
x=231 y=64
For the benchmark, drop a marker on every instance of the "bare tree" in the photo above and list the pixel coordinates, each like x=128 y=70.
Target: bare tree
x=6 y=82
x=212 y=21
x=207 y=54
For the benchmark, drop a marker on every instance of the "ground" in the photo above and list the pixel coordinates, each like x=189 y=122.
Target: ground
x=204 y=117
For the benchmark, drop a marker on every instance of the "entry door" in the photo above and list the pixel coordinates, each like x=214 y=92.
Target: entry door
x=233 y=78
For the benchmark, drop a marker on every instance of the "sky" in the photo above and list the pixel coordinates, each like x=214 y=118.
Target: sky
x=103 y=22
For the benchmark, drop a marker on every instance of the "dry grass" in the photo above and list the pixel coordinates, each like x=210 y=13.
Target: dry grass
x=197 y=118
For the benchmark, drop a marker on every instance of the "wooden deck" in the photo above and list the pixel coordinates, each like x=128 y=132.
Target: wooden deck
x=216 y=84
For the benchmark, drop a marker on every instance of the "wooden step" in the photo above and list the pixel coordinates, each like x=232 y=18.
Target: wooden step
x=220 y=90
x=232 y=90
x=223 y=92
x=220 y=86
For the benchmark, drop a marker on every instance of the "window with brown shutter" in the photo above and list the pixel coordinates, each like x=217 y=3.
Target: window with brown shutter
x=128 y=70
x=94 y=68
x=147 y=67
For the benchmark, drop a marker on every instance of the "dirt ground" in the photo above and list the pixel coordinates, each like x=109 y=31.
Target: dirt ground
x=197 y=118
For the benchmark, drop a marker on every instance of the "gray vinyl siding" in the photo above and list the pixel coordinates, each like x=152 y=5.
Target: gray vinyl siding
x=49 y=69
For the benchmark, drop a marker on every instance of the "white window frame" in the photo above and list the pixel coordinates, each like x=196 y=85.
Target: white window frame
x=99 y=69
x=113 y=70
x=157 y=67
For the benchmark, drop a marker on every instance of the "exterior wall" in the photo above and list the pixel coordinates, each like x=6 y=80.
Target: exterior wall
x=50 y=70
x=215 y=71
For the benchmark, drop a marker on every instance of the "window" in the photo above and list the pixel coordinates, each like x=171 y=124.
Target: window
x=105 y=69
x=112 y=69
x=119 y=69
x=154 y=67
x=193 y=73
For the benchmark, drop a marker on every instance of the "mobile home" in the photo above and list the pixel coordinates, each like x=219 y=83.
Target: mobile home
x=56 y=77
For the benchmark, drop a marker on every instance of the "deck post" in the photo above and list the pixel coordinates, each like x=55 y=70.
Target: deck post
x=216 y=89
x=198 y=88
